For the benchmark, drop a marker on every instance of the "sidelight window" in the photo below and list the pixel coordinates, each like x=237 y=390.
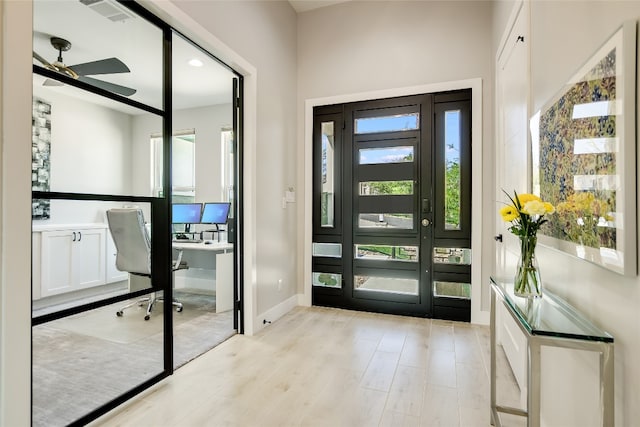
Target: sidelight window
x=328 y=175
x=452 y=170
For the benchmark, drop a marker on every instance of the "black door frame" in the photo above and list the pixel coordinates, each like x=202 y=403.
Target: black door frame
x=342 y=116
x=160 y=208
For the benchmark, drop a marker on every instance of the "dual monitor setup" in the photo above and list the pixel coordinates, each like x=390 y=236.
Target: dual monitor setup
x=188 y=214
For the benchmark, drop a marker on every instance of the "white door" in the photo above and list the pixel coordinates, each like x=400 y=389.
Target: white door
x=512 y=174
x=89 y=257
x=57 y=262
x=512 y=146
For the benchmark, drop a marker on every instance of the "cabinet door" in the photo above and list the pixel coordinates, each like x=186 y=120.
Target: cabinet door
x=57 y=262
x=89 y=258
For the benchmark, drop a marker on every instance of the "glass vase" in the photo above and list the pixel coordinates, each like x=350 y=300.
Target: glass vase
x=527 y=283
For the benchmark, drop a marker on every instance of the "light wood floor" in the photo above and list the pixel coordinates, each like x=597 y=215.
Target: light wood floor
x=328 y=367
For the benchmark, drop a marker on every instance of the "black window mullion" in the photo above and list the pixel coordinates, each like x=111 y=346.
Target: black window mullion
x=162 y=253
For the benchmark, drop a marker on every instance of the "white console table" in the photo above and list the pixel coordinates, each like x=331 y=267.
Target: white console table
x=564 y=327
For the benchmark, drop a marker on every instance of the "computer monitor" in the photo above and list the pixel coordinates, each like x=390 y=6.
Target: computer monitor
x=186 y=213
x=215 y=213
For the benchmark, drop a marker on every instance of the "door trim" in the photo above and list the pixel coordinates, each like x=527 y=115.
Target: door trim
x=479 y=289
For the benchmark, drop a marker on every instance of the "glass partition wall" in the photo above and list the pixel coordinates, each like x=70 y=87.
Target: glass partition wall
x=105 y=115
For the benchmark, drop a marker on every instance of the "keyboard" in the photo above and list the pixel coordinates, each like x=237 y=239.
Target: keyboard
x=187 y=241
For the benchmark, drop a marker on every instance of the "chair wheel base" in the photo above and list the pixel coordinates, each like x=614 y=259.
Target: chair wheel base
x=119 y=313
x=147 y=317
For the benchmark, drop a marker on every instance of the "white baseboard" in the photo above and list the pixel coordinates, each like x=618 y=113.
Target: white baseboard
x=480 y=318
x=303 y=300
x=276 y=312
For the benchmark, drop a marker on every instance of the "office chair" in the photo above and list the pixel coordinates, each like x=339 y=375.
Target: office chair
x=133 y=247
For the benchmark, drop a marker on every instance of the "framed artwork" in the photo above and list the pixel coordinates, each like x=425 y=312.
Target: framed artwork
x=40 y=156
x=584 y=158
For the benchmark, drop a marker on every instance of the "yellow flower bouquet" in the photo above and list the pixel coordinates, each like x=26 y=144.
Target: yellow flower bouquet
x=526 y=214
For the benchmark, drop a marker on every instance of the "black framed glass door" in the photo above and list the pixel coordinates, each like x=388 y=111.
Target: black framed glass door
x=93 y=348
x=379 y=208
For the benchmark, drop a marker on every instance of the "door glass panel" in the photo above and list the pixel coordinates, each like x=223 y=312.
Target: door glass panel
x=452 y=170
x=84 y=361
x=460 y=256
x=328 y=175
x=386 y=220
x=76 y=264
x=386 y=252
x=81 y=141
x=386 y=188
x=393 y=123
x=374 y=156
x=386 y=284
x=332 y=250
x=452 y=290
x=202 y=171
x=99 y=52
x=327 y=280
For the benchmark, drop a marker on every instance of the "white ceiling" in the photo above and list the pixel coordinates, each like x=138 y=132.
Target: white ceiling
x=138 y=44
x=306 y=5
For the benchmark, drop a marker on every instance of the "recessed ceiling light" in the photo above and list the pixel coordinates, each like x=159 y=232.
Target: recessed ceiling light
x=195 y=62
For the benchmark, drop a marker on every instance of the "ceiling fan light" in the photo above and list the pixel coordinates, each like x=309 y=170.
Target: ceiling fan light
x=195 y=62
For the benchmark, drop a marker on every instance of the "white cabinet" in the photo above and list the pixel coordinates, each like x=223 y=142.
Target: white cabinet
x=72 y=259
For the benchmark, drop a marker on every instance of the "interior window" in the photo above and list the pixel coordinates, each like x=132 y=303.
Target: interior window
x=184 y=171
x=226 y=139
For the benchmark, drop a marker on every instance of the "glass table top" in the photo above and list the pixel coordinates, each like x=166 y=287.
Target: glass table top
x=549 y=315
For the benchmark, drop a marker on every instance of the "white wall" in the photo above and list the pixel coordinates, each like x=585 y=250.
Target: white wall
x=264 y=34
x=364 y=46
x=207 y=122
x=563 y=35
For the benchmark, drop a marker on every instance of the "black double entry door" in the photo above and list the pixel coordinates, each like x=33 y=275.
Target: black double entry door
x=392 y=205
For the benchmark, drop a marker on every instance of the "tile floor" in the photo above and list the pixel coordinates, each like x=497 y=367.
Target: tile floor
x=330 y=367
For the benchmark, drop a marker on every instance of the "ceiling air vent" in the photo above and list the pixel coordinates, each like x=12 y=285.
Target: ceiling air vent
x=110 y=9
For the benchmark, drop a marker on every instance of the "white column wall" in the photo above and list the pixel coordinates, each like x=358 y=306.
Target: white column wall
x=15 y=213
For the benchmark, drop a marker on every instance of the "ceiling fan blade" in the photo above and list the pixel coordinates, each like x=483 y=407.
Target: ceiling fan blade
x=111 y=87
x=44 y=62
x=103 y=66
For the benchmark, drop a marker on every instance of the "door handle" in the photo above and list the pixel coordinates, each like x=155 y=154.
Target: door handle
x=426 y=222
x=80 y=236
x=498 y=238
x=74 y=237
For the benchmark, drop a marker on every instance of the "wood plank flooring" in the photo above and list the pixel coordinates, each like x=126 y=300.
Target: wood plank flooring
x=328 y=367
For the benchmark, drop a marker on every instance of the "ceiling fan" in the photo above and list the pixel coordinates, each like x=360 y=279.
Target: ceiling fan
x=82 y=71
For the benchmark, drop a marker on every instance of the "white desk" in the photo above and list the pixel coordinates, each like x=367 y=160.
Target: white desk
x=210 y=267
